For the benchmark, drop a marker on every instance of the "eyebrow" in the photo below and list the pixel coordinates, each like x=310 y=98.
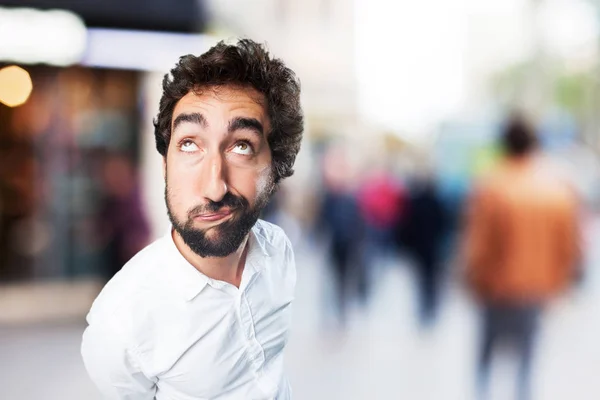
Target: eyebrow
x=194 y=118
x=251 y=124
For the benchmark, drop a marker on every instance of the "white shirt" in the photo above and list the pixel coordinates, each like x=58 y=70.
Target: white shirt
x=162 y=330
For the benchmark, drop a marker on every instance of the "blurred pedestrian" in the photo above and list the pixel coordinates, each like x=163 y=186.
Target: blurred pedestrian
x=522 y=248
x=339 y=218
x=421 y=234
x=381 y=198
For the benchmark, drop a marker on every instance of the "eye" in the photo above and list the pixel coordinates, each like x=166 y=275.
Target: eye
x=243 y=148
x=188 y=146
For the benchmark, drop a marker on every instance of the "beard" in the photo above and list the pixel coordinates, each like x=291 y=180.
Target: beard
x=226 y=237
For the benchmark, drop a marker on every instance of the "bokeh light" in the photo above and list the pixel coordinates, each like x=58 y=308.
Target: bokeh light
x=15 y=86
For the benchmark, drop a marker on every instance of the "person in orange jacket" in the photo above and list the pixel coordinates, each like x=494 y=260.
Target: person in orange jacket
x=522 y=247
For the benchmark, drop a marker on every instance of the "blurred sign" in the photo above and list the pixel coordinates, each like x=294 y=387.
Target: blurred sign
x=30 y=36
x=141 y=50
x=60 y=37
x=163 y=15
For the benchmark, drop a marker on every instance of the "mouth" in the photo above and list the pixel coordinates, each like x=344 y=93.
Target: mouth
x=216 y=216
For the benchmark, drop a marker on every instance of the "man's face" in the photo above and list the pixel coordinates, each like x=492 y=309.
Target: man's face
x=218 y=168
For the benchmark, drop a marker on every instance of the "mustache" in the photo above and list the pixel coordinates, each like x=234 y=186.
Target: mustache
x=230 y=201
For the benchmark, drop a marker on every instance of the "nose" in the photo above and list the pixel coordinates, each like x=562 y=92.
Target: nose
x=214 y=182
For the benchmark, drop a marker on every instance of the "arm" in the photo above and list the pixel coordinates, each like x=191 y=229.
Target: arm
x=113 y=367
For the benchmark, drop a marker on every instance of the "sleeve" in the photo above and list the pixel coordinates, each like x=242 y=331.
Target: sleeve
x=113 y=368
x=285 y=390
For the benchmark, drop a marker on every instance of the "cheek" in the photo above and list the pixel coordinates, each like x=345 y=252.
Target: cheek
x=180 y=194
x=264 y=175
x=251 y=183
x=264 y=182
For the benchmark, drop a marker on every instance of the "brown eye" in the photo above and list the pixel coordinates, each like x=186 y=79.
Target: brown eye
x=242 y=148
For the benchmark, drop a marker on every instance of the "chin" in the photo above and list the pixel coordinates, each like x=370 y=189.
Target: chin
x=213 y=233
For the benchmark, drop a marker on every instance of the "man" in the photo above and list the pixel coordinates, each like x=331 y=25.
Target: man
x=204 y=312
x=521 y=249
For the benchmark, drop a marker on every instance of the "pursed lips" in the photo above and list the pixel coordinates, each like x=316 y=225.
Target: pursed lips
x=214 y=216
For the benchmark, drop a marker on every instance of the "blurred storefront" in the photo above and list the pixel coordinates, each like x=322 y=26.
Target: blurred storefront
x=71 y=196
x=69 y=152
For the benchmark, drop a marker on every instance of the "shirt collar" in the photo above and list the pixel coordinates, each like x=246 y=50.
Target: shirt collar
x=259 y=244
x=187 y=279
x=190 y=282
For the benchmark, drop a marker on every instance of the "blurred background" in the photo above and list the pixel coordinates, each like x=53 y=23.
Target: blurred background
x=404 y=104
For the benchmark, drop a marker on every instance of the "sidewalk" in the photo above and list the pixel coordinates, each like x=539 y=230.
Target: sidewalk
x=51 y=301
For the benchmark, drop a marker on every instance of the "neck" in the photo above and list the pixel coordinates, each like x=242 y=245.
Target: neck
x=521 y=158
x=227 y=269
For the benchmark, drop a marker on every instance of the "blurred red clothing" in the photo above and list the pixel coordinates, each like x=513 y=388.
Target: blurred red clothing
x=381 y=200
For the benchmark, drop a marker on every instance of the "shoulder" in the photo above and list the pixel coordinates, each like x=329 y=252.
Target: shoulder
x=133 y=291
x=491 y=183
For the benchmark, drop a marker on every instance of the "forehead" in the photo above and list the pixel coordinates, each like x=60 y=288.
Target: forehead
x=223 y=101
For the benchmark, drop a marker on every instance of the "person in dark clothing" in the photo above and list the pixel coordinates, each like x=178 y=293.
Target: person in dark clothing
x=122 y=220
x=341 y=219
x=421 y=233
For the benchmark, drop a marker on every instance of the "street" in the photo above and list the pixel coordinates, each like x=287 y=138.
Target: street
x=381 y=355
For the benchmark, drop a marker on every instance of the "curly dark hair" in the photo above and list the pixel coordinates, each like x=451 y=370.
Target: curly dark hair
x=246 y=63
